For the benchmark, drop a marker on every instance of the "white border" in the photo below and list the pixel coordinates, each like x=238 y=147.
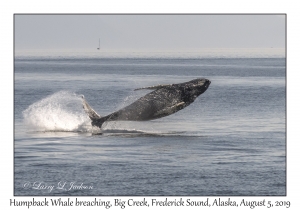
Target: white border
x=8 y=8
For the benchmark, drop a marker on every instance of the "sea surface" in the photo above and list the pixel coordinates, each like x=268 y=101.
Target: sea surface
x=231 y=141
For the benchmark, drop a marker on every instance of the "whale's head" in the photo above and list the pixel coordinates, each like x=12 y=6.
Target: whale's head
x=194 y=88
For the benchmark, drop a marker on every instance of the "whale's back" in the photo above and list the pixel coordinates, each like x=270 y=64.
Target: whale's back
x=150 y=106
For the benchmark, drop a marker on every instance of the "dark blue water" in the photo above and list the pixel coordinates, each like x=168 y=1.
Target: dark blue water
x=230 y=141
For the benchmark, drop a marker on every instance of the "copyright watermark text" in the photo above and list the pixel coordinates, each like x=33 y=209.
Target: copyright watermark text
x=62 y=186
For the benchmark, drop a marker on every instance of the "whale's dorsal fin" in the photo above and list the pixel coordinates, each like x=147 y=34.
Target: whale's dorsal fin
x=88 y=109
x=155 y=87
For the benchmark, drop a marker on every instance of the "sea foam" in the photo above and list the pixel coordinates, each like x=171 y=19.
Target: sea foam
x=61 y=111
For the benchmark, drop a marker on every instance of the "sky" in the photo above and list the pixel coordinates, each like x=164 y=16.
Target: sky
x=148 y=32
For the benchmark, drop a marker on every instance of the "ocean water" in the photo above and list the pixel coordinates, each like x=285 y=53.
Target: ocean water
x=231 y=141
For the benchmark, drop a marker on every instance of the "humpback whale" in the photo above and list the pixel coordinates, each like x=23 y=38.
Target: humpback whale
x=162 y=101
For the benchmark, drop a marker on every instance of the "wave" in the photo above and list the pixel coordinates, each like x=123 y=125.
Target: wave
x=138 y=133
x=59 y=112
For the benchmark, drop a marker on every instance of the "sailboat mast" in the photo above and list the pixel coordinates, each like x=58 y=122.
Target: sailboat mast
x=99 y=45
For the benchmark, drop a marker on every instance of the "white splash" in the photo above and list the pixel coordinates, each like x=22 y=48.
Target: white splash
x=61 y=111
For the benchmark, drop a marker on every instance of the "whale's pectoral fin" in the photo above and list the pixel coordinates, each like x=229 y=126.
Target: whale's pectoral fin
x=88 y=109
x=171 y=109
x=153 y=87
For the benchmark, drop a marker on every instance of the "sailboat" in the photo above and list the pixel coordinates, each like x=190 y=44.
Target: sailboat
x=99 y=45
